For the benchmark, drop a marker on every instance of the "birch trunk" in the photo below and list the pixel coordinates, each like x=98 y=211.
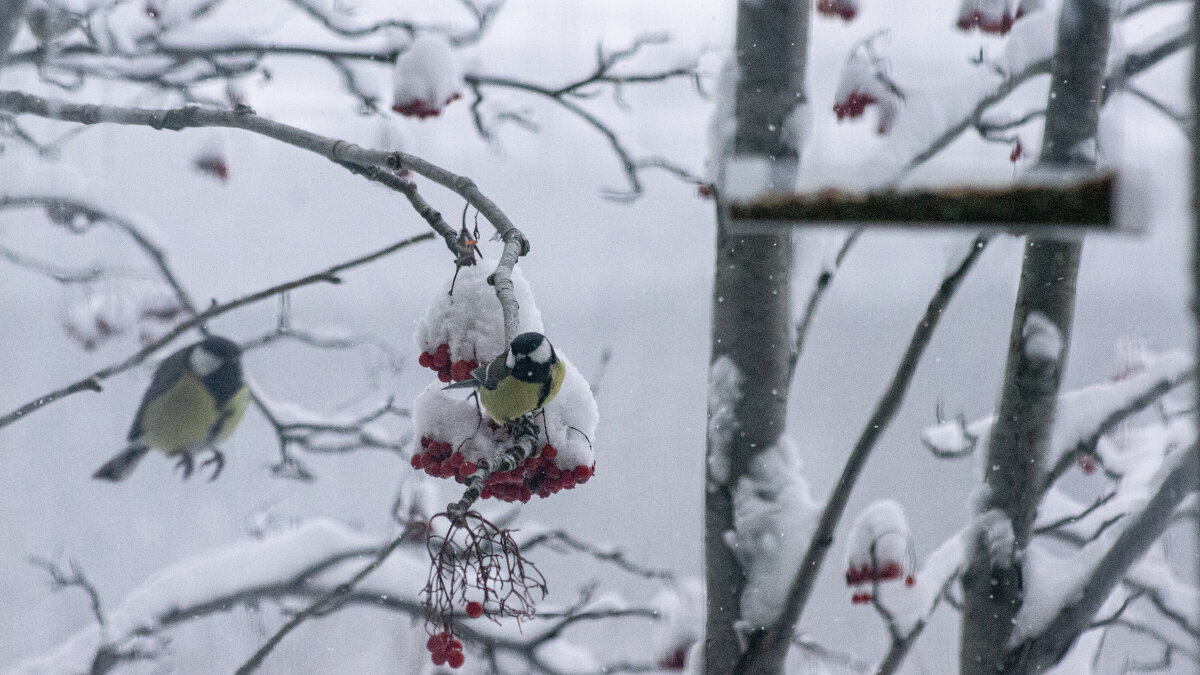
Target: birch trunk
x=993 y=588
x=751 y=302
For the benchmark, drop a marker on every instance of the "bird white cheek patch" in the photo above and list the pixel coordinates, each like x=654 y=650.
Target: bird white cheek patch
x=204 y=363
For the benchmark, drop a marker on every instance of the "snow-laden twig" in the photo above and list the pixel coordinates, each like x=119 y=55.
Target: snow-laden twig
x=933 y=583
x=1083 y=416
x=340 y=24
x=1055 y=613
x=92 y=382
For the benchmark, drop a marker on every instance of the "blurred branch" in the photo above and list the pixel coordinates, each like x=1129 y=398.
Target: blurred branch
x=92 y=382
x=11 y=13
x=560 y=539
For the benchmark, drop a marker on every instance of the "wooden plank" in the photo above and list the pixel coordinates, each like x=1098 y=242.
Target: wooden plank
x=1083 y=205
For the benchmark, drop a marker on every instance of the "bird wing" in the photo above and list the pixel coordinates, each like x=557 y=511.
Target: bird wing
x=487 y=375
x=490 y=374
x=167 y=374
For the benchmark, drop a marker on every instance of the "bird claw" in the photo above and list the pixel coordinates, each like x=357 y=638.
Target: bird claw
x=185 y=464
x=218 y=460
x=523 y=426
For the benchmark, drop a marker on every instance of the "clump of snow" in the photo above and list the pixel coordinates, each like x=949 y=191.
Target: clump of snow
x=861 y=84
x=955 y=438
x=560 y=656
x=1032 y=40
x=879 y=548
x=722 y=128
x=748 y=177
x=995 y=531
x=1053 y=580
x=471 y=321
x=724 y=395
x=427 y=77
x=1041 y=339
x=797 y=127
x=681 y=607
x=773 y=513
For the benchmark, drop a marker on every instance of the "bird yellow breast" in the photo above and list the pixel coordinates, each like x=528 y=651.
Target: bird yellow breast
x=510 y=399
x=183 y=417
x=513 y=398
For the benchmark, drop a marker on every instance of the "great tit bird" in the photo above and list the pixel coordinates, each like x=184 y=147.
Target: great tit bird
x=525 y=377
x=196 y=400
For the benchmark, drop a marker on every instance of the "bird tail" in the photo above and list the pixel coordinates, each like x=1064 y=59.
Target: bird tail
x=470 y=383
x=118 y=468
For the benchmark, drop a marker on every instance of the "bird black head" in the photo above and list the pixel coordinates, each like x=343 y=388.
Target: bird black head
x=220 y=347
x=533 y=346
x=216 y=360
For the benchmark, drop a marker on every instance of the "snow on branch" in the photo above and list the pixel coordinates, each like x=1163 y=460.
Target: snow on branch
x=962 y=105
x=213 y=582
x=1063 y=594
x=1082 y=418
x=309 y=562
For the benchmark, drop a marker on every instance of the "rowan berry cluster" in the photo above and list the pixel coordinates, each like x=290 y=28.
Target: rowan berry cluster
x=446 y=649
x=538 y=475
x=440 y=362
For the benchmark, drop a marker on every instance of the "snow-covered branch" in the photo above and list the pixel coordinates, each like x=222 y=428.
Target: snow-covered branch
x=1057 y=607
x=1083 y=416
x=309 y=563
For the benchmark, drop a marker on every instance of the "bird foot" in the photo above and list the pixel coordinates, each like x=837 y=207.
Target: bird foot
x=523 y=426
x=217 y=460
x=185 y=464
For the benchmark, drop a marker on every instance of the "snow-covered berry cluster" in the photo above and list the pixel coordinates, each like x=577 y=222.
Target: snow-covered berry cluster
x=847 y=9
x=862 y=83
x=992 y=16
x=445 y=649
x=879 y=550
x=460 y=331
x=95 y=314
x=427 y=78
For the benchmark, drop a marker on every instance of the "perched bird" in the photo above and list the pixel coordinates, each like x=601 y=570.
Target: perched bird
x=525 y=377
x=196 y=400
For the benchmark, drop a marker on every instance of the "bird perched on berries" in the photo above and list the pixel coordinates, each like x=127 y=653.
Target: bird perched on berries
x=196 y=400
x=524 y=378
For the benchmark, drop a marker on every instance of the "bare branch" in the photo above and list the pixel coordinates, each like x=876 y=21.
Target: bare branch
x=814 y=298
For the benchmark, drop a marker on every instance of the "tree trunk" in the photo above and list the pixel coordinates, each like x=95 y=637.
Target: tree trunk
x=11 y=12
x=751 y=301
x=1037 y=348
